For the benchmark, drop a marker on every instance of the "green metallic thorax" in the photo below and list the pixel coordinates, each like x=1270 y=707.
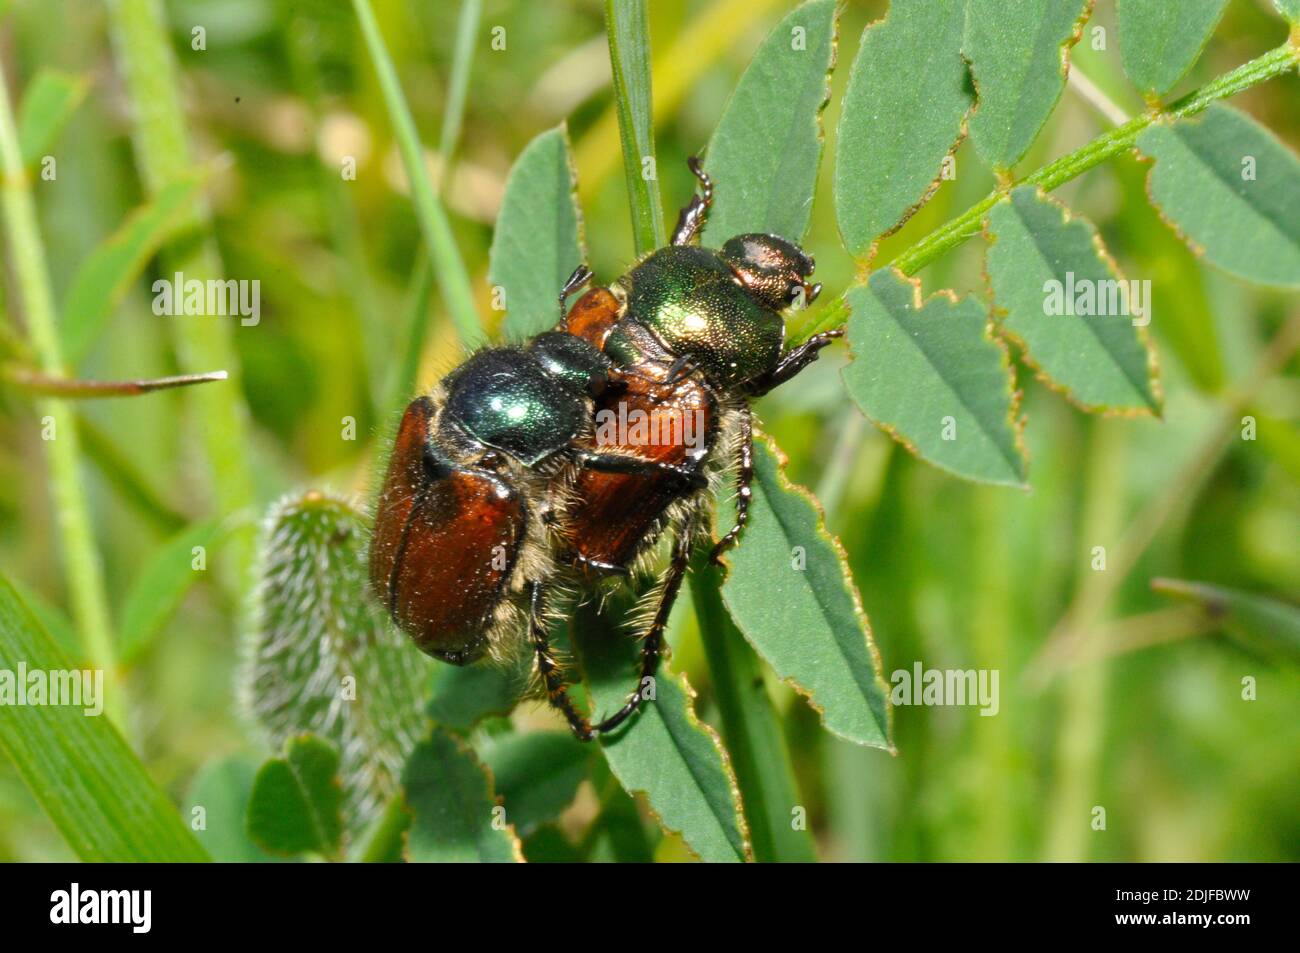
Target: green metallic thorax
x=692 y=302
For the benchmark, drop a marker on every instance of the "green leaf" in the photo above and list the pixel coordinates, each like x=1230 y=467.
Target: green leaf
x=751 y=728
x=1048 y=270
x=296 y=803
x=1289 y=9
x=159 y=588
x=537 y=774
x=1159 y=41
x=933 y=378
x=629 y=57
x=1018 y=53
x=321 y=658
x=222 y=789
x=1263 y=625
x=766 y=150
x=664 y=751
x=455 y=817
x=106 y=274
x=465 y=695
x=902 y=114
x=791 y=595
x=49 y=102
x=77 y=766
x=538 y=238
x=1231 y=190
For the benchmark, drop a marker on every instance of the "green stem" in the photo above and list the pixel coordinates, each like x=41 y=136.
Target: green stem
x=629 y=57
x=751 y=728
x=383 y=841
x=453 y=114
x=453 y=279
x=80 y=556
x=1055 y=174
x=152 y=80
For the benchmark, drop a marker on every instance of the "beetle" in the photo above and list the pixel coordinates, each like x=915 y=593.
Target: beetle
x=476 y=497
x=695 y=332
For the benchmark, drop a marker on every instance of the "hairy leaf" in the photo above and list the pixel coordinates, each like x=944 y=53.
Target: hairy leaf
x=538 y=238
x=932 y=377
x=1231 y=190
x=664 y=751
x=296 y=802
x=766 y=150
x=902 y=114
x=1051 y=278
x=78 y=768
x=1159 y=41
x=1018 y=52
x=322 y=659
x=791 y=595
x=160 y=586
x=106 y=274
x=49 y=102
x=537 y=774
x=455 y=817
x=1261 y=624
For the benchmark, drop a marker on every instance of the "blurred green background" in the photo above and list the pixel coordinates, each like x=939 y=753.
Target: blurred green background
x=1140 y=712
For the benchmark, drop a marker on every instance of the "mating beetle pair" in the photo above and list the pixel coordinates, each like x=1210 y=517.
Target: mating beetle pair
x=499 y=493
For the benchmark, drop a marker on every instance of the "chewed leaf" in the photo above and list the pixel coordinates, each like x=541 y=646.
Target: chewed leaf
x=1017 y=51
x=664 y=751
x=931 y=375
x=1062 y=297
x=790 y=593
x=1231 y=190
x=902 y=115
x=538 y=238
x=49 y=102
x=296 y=803
x=1258 y=623
x=108 y=271
x=455 y=817
x=765 y=152
x=321 y=658
x=1159 y=41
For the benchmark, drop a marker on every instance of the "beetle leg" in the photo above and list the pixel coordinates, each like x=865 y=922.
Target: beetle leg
x=744 y=490
x=792 y=362
x=691 y=218
x=653 y=644
x=635 y=466
x=557 y=690
x=581 y=275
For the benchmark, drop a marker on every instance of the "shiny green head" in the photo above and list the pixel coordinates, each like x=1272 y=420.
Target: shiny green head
x=695 y=304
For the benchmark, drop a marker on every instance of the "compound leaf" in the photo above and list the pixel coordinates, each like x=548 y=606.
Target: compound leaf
x=902 y=115
x=455 y=815
x=1061 y=296
x=664 y=751
x=766 y=150
x=931 y=376
x=538 y=238
x=790 y=593
x=1018 y=53
x=297 y=801
x=1159 y=41
x=1231 y=190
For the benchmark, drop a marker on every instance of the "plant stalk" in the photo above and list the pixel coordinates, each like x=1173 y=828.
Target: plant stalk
x=81 y=558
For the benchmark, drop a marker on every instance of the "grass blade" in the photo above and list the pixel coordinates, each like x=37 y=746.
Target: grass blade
x=629 y=55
